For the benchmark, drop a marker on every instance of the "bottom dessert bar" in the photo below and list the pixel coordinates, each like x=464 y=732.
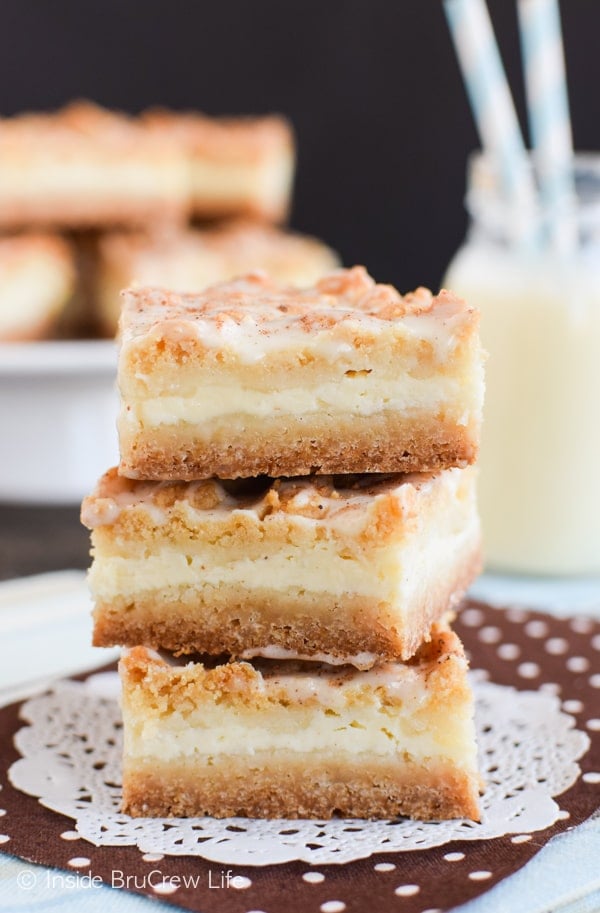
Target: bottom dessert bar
x=300 y=740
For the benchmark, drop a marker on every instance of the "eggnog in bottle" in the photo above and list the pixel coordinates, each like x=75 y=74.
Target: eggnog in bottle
x=540 y=323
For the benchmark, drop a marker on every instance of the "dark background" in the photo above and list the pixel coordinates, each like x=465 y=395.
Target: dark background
x=372 y=87
x=373 y=90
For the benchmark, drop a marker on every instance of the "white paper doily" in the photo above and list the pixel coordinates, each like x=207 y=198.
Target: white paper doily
x=71 y=758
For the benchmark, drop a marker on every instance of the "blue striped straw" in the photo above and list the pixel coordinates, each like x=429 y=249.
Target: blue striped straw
x=493 y=108
x=548 y=107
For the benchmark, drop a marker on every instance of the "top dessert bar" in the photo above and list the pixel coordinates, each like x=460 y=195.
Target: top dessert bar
x=248 y=378
x=86 y=167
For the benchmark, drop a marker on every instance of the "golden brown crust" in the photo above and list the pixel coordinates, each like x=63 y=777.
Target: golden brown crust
x=231 y=620
x=343 y=295
x=289 y=446
x=79 y=120
x=379 y=500
x=319 y=787
x=156 y=684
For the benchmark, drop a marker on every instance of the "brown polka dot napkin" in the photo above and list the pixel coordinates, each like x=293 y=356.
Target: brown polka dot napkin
x=519 y=648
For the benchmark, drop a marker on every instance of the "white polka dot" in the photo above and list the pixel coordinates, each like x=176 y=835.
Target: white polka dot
x=563 y=814
x=550 y=688
x=70 y=835
x=508 y=651
x=78 y=862
x=578 y=664
x=520 y=838
x=4 y=838
x=581 y=625
x=481 y=875
x=490 y=635
x=384 y=867
x=164 y=887
x=573 y=706
x=407 y=890
x=432 y=910
x=592 y=776
x=593 y=725
x=517 y=615
x=536 y=628
x=556 y=645
x=152 y=857
x=472 y=618
x=240 y=882
x=313 y=877
x=454 y=857
x=333 y=906
x=528 y=670
x=595 y=680
x=595 y=641
x=2 y=812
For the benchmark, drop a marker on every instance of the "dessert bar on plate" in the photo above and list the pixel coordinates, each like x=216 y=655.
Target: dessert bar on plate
x=37 y=281
x=238 y=166
x=249 y=377
x=85 y=167
x=185 y=260
x=299 y=740
x=348 y=569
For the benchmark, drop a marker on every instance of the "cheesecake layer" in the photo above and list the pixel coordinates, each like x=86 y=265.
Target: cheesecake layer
x=290 y=739
x=356 y=568
x=249 y=378
x=190 y=259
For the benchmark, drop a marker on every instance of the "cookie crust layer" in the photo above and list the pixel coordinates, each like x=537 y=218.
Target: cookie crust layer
x=279 y=787
x=280 y=446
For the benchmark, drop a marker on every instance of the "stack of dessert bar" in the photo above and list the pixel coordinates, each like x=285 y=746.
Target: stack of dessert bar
x=291 y=525
x=91 y=198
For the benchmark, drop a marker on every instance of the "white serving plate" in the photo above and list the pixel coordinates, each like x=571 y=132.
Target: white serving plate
x=58 y=408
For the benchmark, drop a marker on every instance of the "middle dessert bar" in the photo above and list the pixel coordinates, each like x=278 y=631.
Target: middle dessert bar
x=350 y=569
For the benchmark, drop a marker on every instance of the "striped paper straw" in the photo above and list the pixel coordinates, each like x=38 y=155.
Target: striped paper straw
x=548 y=107
x=493 y=108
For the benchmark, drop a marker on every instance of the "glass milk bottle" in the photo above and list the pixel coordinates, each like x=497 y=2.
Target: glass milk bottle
x=540 y=323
